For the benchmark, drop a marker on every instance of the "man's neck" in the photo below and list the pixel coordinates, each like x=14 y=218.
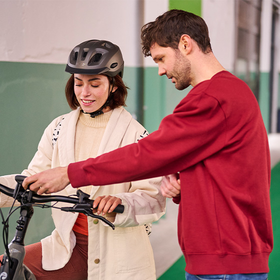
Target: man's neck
x=204 y=67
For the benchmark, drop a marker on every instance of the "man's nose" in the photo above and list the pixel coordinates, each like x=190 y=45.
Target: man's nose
x=161 y=71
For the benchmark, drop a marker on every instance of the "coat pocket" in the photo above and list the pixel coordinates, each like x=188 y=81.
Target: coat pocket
x=133 y=249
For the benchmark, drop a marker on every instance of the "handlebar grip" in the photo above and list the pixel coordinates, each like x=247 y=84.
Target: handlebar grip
x=119 y=209
x=20 y=178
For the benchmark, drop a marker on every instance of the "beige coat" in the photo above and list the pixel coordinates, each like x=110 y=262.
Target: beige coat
x=124 y=253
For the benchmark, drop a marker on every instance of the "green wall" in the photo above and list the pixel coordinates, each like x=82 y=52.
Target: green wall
x=160 y=98
x=264 y=98
x=31 y=95
x=193 y=6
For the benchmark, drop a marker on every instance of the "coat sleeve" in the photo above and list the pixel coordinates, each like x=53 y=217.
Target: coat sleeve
x=143 y=204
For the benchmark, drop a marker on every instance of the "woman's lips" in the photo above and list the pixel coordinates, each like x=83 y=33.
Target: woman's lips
x=87 y=102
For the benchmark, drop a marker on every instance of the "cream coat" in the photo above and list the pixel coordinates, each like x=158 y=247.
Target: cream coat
x=124 y=253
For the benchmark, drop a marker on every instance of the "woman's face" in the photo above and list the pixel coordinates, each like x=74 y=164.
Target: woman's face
x=91 y=91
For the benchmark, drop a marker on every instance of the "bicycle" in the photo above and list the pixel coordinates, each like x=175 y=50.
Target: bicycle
x=12 y=267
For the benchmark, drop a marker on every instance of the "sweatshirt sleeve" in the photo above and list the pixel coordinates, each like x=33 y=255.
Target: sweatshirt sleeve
x=194 y=131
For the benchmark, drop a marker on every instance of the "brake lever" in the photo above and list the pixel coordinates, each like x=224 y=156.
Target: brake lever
x=85 y=209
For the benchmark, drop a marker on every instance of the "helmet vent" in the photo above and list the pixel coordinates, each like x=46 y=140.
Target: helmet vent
x=114 y=65
x=84 y=53
x=75 y=57
x=95 y=59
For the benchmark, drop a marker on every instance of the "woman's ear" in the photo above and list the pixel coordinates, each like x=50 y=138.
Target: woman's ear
x=114 y=88
x=112 y=85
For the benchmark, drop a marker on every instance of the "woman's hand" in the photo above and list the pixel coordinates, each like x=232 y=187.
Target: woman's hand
x=170 y=186
x=106 y=204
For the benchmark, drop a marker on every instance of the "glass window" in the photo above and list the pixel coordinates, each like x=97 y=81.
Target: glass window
x=248 y=14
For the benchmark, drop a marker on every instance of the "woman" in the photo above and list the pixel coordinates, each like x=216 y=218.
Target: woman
x=82 y=247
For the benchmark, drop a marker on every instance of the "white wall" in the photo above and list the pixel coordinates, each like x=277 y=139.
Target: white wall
x=219 y=16
x=152 y=10
x=46 y=30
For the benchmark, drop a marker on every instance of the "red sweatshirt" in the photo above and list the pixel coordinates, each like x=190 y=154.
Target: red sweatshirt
x=216 y=139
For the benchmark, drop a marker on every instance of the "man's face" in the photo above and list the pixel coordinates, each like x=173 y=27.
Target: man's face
x=173 y=64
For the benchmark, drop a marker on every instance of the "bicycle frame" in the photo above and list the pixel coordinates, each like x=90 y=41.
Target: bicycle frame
x=13 y=267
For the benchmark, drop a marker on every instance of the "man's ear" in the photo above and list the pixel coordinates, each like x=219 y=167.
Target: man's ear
x=185 y=44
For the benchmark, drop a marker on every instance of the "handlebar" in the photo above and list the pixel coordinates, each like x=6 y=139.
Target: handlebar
x=12 y=264
x=82 y=204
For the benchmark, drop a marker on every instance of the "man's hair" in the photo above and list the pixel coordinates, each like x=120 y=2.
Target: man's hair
x=118 y=99
x=168 y=28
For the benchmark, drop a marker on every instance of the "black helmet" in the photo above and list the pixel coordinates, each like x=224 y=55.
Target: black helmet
x=96 y=57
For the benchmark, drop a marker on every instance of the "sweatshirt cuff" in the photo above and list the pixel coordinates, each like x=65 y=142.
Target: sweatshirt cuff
x=177 y=199
x=76 y=176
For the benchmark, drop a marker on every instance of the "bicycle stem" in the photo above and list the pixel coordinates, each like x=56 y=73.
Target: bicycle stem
x=26 y=213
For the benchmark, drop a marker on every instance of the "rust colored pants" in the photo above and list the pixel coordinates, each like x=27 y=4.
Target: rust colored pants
x=75 y=269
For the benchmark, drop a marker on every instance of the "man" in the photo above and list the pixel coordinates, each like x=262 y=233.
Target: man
x=215 y=142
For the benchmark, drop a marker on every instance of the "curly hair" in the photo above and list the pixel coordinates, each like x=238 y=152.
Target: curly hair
x=168 y=28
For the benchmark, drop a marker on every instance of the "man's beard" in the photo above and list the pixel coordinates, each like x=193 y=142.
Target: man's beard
x=181 y=71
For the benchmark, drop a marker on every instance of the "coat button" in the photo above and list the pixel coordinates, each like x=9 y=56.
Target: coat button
x=97 y=261
x=95 y=221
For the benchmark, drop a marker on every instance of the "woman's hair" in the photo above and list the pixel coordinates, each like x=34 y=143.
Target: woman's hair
x=118 y=97
x=168 y=28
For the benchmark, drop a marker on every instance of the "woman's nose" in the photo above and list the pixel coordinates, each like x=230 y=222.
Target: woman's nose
x=86 y=91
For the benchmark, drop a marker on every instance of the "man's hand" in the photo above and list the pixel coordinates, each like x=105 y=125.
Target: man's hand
x=48 y=181
x=170 y=186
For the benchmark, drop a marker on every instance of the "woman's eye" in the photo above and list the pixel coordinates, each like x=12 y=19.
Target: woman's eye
x=94 y=86
x=78 y=85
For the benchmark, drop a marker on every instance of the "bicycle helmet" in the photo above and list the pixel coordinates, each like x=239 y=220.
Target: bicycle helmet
x=95 y=57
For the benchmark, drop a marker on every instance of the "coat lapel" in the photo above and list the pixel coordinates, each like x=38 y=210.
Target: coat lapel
x=115 y=130
x=66 y=142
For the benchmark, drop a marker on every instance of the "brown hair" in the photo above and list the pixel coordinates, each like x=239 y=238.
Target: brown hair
x=168 y=28
x=117 y=100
